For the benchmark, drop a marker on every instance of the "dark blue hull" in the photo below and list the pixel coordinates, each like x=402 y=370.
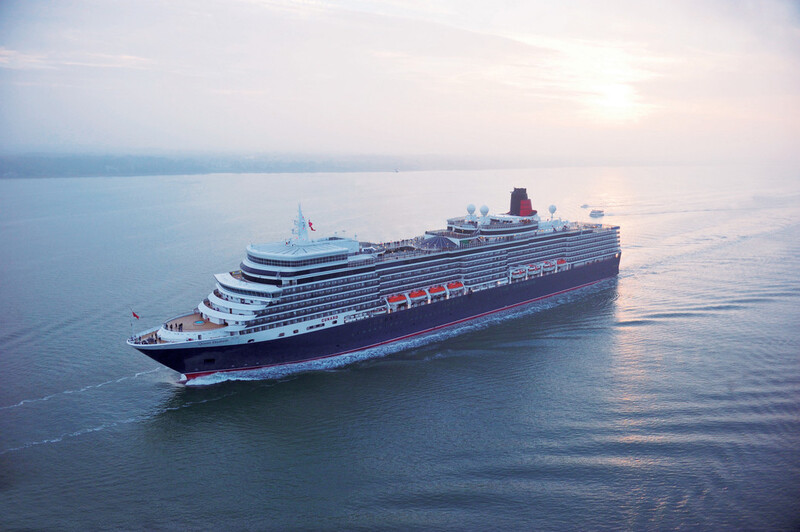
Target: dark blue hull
x=362 y=334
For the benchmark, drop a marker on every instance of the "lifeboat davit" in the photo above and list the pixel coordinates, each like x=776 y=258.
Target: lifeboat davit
x=548 y=266
x=534 y=269
x=418 y=295
x=455 y=287
x=437 y=291
x=518 y=273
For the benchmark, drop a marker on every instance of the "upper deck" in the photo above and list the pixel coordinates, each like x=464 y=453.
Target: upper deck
x=302 y=260
x=414 y=247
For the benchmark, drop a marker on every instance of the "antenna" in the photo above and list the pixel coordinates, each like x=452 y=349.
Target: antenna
x=300 y=226
x=484 y=215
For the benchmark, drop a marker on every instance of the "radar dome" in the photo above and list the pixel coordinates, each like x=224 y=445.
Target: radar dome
x=552 y=209
x=484 y=210
x=471 y=209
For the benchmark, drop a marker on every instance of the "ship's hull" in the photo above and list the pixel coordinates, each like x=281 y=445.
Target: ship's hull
x=363 y=334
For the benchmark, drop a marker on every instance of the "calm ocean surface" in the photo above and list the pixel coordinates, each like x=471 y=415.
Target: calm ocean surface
x=666 y=398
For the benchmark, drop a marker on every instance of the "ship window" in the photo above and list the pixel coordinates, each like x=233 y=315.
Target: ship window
x=296 y=331
x=281 y=334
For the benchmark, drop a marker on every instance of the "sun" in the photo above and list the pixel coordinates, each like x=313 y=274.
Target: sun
x=615 y=102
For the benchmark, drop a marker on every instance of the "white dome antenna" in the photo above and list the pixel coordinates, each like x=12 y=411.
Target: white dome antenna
x=552 y=210
x=484 y=218
x=471 y=212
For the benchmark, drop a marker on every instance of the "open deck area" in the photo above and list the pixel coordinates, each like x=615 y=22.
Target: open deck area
x=188 y=324
x=192 y=323
x=404 y=249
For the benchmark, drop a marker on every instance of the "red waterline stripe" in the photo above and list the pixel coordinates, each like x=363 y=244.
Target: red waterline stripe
x=190 y=376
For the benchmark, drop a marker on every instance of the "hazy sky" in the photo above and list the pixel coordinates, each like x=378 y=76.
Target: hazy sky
x=692 y=81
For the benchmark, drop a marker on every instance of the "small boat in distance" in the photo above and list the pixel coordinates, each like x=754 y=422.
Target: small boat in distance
x=597 y=213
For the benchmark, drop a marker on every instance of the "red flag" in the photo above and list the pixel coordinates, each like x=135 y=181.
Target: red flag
x=311 y=226
x=135 y=315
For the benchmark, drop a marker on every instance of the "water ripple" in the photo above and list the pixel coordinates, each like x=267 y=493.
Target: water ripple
x=78 y=390
x=112 y=424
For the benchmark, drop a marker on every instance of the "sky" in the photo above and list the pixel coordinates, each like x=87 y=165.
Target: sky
x=625 y=81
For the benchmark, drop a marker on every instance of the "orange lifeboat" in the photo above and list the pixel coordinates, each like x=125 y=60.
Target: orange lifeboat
x=436 y=291
x=561 y=262
x=396 y=300
x=534 y=269
x=455 y=287
x=519 y=273
x=548 y=266
x=418 y=295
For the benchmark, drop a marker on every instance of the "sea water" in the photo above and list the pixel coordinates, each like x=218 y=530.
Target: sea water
x=668 y=397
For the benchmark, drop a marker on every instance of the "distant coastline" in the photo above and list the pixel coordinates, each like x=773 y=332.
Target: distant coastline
x=48 y=165
x=97 y=165
x=90 y=165
x=41 y=165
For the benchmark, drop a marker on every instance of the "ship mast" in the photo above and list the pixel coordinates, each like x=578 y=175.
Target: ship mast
x=301 y=227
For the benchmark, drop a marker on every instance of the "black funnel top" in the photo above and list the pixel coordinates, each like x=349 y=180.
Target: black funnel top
x=517 y=196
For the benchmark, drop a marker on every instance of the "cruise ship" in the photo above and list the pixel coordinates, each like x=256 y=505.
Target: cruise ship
x=305 y=299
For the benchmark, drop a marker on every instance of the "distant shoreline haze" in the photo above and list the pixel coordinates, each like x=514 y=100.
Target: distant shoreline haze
x=92 y=165
x=38 y=165
x=82 y=165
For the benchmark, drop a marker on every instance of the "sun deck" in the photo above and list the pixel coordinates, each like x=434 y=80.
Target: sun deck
x=187 y=324
x=192 y=323
x=403 y=249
